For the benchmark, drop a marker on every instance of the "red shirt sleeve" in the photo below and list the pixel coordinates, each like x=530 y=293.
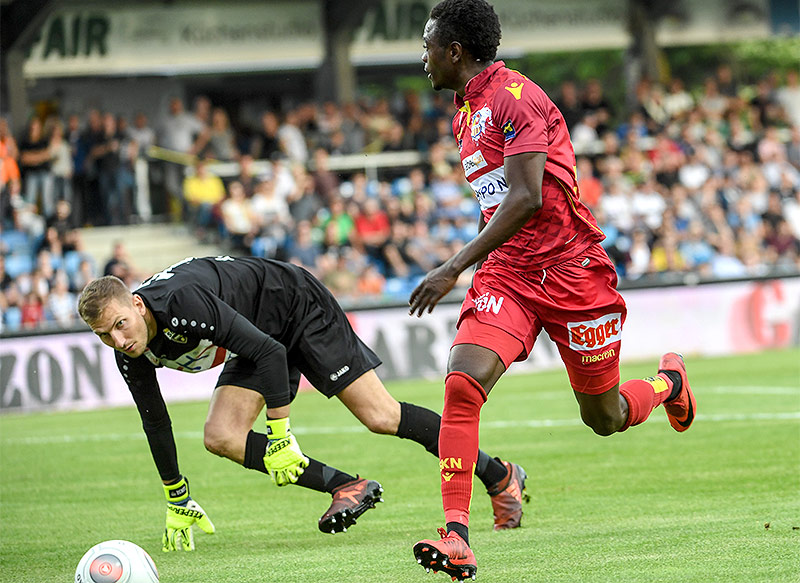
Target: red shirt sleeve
x=522 y=114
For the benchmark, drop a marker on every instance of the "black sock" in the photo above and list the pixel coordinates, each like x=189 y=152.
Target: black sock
x=493 y=469
x=677 y=384
x=317 y=476
x=254 y=450
x=422 y=425
x=461 y=530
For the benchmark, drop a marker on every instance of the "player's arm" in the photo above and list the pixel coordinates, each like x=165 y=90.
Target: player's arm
x=524 y=173
x=182 y=511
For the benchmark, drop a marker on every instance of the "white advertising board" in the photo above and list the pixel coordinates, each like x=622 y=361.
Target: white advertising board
x=166 y=38
x=75 y=371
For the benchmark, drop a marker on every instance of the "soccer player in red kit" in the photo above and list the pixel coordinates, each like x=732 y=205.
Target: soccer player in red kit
x=540 y=265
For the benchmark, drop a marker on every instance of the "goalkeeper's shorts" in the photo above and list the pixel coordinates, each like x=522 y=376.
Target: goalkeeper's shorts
x=326 y=349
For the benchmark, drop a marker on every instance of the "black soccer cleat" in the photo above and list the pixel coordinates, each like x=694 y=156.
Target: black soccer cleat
x=350 y=501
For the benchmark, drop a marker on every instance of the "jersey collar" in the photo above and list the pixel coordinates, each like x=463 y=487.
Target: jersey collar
x=478 y=83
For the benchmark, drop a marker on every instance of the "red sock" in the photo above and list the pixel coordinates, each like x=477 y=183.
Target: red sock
x=644 y=395
x=458 y=443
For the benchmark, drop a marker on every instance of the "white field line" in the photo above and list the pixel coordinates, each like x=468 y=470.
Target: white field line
x=532 y=423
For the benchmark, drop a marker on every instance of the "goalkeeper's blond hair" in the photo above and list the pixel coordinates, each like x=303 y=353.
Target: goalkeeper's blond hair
x=98 y=294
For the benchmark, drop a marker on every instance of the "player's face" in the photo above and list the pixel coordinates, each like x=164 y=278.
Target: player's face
x=122 y=326
x=435 y=57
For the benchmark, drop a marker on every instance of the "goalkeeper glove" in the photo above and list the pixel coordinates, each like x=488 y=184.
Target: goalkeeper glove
x=284 y=460
x=182 y=513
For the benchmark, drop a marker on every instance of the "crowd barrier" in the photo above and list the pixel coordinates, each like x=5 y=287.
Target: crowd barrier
x=68 y=371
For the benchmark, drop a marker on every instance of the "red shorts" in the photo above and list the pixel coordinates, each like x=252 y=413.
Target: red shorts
x=576 y=302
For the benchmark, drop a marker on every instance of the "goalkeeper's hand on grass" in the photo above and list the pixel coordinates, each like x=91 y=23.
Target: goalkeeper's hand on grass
x=284 y=460
x=182 y=513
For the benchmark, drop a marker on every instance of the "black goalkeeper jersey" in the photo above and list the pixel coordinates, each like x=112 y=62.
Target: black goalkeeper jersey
x=209 y=310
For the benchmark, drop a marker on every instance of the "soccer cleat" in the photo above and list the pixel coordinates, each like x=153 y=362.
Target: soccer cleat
x=507 y=497
x=350 y=501
x=450 y=554
x=681 y=409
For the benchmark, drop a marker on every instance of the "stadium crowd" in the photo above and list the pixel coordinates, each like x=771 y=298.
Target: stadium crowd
x=702 y=183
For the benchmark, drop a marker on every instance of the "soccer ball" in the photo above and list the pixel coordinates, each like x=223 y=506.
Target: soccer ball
x=116 y=561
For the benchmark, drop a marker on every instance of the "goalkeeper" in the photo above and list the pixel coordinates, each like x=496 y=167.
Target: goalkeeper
x=268 y=322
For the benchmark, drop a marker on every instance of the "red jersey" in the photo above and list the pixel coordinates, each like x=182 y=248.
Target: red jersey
x=504 y=113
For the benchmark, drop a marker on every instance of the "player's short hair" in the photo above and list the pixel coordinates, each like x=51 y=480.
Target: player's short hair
x=98 y=293
x=473 y=23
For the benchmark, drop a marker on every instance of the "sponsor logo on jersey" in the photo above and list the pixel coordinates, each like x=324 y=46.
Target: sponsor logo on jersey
x=490 y=188
x=202 y=357
x=515 y=89
x=478 y=123
x=174 y=336
x=594 y=334
x=509 y=132
x=334 y=376
x=487 y=302
x=589 y=358
x=474 y=163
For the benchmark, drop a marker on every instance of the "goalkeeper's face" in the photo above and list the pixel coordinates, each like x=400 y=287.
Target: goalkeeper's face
x=123 y=327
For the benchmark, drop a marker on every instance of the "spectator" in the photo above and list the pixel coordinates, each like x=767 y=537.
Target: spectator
x=202 y=193
x=677 y=101
x=239 y=222
x=303 y=250
x=61 y=156
x=326 y=182
x=121 y=265
x=788 y=97
x=178 y=132
x=337 y=224
x=569 y=104
x=144 y=138
x=61 y=303
x=372 y=231
x=106 y=154
x=32 y=311
x=218 y=141
x=293 y=144
x=35 y=160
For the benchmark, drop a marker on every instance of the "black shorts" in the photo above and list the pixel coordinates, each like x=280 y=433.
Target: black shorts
x=327 y=350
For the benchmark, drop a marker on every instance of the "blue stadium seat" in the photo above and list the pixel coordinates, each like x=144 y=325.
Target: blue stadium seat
x=16 y=241
x=18 y=263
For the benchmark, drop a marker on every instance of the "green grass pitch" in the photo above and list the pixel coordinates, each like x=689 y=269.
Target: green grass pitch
x=718 y=503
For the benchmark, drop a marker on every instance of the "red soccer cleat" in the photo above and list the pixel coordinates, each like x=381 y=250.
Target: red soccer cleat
x=350 y=501
x=450 y=554
x=507 y=497
x=681 y=409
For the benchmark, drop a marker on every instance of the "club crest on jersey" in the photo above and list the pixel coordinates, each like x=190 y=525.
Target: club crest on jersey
x=478 y=123
x=473 y=163
x=174 y=336
x=509 y=131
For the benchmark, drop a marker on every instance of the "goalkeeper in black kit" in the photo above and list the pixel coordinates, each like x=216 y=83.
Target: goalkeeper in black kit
x=267 y=322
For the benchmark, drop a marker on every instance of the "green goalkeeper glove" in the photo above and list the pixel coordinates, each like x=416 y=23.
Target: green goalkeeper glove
x=284 y=460
x=182 y=513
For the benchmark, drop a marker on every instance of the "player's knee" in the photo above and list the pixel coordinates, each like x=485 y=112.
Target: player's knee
x=380 y=422
x=602 y=423
x=216 y=440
